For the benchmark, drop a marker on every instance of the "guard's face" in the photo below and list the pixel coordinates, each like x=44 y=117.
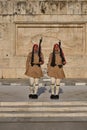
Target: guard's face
x=56 y=48
x=35 y=48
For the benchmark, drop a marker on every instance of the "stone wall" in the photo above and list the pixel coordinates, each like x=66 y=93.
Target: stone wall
x=23 y=22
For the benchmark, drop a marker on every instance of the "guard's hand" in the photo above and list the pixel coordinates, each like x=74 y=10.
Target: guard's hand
x=60 y=66
x=64 y=62
x=32 y=64
x=41 y=40
x=42 y=62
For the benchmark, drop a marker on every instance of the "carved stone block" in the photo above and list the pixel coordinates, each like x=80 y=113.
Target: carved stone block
x=84 y=7
x=44 y=7
x=77 y=7
x=10 y=7
x=62 y=7
x=70 y=8
x=20 y=7
x=0 y=7
x=54 y=5
x=5 y=7
x=32 y=7
x=70 y=35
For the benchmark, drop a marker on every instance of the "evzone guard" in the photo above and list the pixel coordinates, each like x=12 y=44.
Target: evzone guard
x=33 y=69
x=55 y=69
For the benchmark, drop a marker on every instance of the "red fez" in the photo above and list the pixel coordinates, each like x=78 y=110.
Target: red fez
x=35 y=45
x=56 y=45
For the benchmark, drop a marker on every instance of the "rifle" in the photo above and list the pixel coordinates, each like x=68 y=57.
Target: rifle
x=39 y=51
x=61 y=54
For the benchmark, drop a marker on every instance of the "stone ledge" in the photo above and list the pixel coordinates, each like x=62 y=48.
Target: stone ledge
x=45 y=81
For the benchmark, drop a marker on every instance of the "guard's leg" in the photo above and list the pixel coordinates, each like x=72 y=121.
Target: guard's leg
x=52 y=87
x=31 y=88
x=57 y=88
x=36 y=84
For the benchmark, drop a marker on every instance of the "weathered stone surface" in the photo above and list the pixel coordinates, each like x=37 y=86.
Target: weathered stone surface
x=71 y=35
x=20 y=73
x=84 y=7
x=4 y=62
x=9 y=73
x=32 y=7
x=1 y=73
x=23 y=22
x=17 y=62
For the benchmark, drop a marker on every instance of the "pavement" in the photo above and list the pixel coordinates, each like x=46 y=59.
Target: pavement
x=18 y=90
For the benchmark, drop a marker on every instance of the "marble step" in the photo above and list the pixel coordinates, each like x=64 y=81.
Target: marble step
x=63 y=103
x=43 y=109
